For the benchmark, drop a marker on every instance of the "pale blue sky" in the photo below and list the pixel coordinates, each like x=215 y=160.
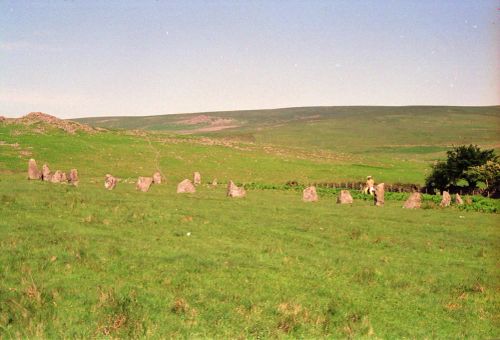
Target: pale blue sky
x=94 y=58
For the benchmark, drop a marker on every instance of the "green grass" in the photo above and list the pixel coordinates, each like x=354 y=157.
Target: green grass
x=394 y=144
x=86 y=262
x=82 y=262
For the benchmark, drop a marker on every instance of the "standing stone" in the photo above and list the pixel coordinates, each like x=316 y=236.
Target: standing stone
x=234 y=191
x=414 y=201
x=143 y=183
x=73 y=177
x=197 y=178
x=186 y=186
x=309 y=194
x=64 y=178
x=214 y=182
x=33 y=172
x=468 y=200
x=109 y=182
x=46 y=175
x=344 y=197
x=56 y=177
x=379 y=195
x=458 y=200
x=157 y=178
x=445 y=202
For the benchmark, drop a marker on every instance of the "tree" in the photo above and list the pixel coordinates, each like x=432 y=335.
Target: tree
x=460 y=160
x=489 y=174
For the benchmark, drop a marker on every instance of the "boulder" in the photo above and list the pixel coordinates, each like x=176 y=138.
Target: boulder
x=445 y=202
x=64 y=178
x=33 y=172
x=197 y=178
x=344 y=197
x=56 y=177
x=458 y=200
x=234 y=191
x=379 y=195
x=143 y=183
x=46 y=175
x=110 y=182
x=414 y=201
x=186 y=186
x=73 y=177
x=309 y=194
x=157 y=179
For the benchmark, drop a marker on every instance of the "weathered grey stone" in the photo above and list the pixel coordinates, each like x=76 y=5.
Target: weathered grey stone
x=196 y=178
x=234 y=191
x=57 y=177
x=73 y=177
x=186 y=186
x=46 y=175
x=344 y=197
x=445 y=202
x=414 y=201
x=110 y=182
x=379 y=195
x=309 y=194
x=157 y=179
x=144 y=183
x=33 y=172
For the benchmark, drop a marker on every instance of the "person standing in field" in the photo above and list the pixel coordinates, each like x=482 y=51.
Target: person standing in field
x=369 y=186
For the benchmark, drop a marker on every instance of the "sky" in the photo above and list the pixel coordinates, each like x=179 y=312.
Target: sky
x=113 y=58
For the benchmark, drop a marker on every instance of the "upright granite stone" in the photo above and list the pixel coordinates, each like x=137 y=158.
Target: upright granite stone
x=379 y=195
x=110 y=182
x=414 y=201
x=157 y=179
x=57 y=177
x=197 y=178
x=186 y=186
x=309 y=194
x=46 y=175
x=445 y=202
x=234 y=191
x=33 y=172
x=344 y=197
x=73 y=177
x=144 y=183
x=458 y=200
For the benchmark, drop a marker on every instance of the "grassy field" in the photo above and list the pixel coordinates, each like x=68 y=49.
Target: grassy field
x=394 y=144
x=85 y=262
x=82 y=262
